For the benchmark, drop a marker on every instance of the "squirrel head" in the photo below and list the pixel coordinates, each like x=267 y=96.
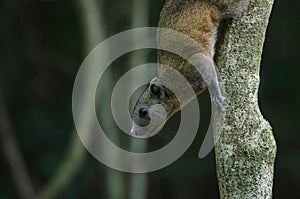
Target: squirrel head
x=152 y=110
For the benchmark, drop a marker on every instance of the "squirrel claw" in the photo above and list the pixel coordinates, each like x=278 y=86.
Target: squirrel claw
x=218 y=101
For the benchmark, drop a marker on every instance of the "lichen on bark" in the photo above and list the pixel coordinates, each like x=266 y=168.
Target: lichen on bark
x=246 y=149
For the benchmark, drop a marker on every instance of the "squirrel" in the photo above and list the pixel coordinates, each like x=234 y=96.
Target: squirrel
x=199 y=20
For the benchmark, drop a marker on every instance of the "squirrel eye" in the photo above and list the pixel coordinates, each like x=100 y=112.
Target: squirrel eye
x=155 y=90
x=143 y=112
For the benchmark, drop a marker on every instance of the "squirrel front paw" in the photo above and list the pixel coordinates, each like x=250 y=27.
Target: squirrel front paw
x=218 y=101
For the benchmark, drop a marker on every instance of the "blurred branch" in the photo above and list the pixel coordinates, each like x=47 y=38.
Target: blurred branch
x=13 y=155
x=68 y=168
x=139 y=182
x=92 y=23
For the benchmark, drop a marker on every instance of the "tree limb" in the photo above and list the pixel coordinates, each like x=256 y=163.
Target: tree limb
x=246 y=149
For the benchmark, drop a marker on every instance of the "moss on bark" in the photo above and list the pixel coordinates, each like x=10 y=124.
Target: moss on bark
x=246 y=148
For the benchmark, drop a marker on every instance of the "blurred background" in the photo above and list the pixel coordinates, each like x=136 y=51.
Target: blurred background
x=43 y=45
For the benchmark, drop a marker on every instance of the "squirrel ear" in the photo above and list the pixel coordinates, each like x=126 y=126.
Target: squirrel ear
x=157 y=91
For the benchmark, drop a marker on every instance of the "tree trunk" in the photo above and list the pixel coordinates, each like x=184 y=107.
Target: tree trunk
x=246 y=149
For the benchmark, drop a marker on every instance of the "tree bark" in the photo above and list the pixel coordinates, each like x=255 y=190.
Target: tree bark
x=246 y=149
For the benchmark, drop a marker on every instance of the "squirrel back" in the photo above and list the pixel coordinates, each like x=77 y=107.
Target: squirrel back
x=199 y=20
x=230 y=8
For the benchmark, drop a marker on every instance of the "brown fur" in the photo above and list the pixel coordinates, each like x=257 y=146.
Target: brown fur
x=199 y=20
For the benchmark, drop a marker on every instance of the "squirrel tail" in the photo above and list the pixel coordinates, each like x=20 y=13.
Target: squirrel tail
x=231 y=8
